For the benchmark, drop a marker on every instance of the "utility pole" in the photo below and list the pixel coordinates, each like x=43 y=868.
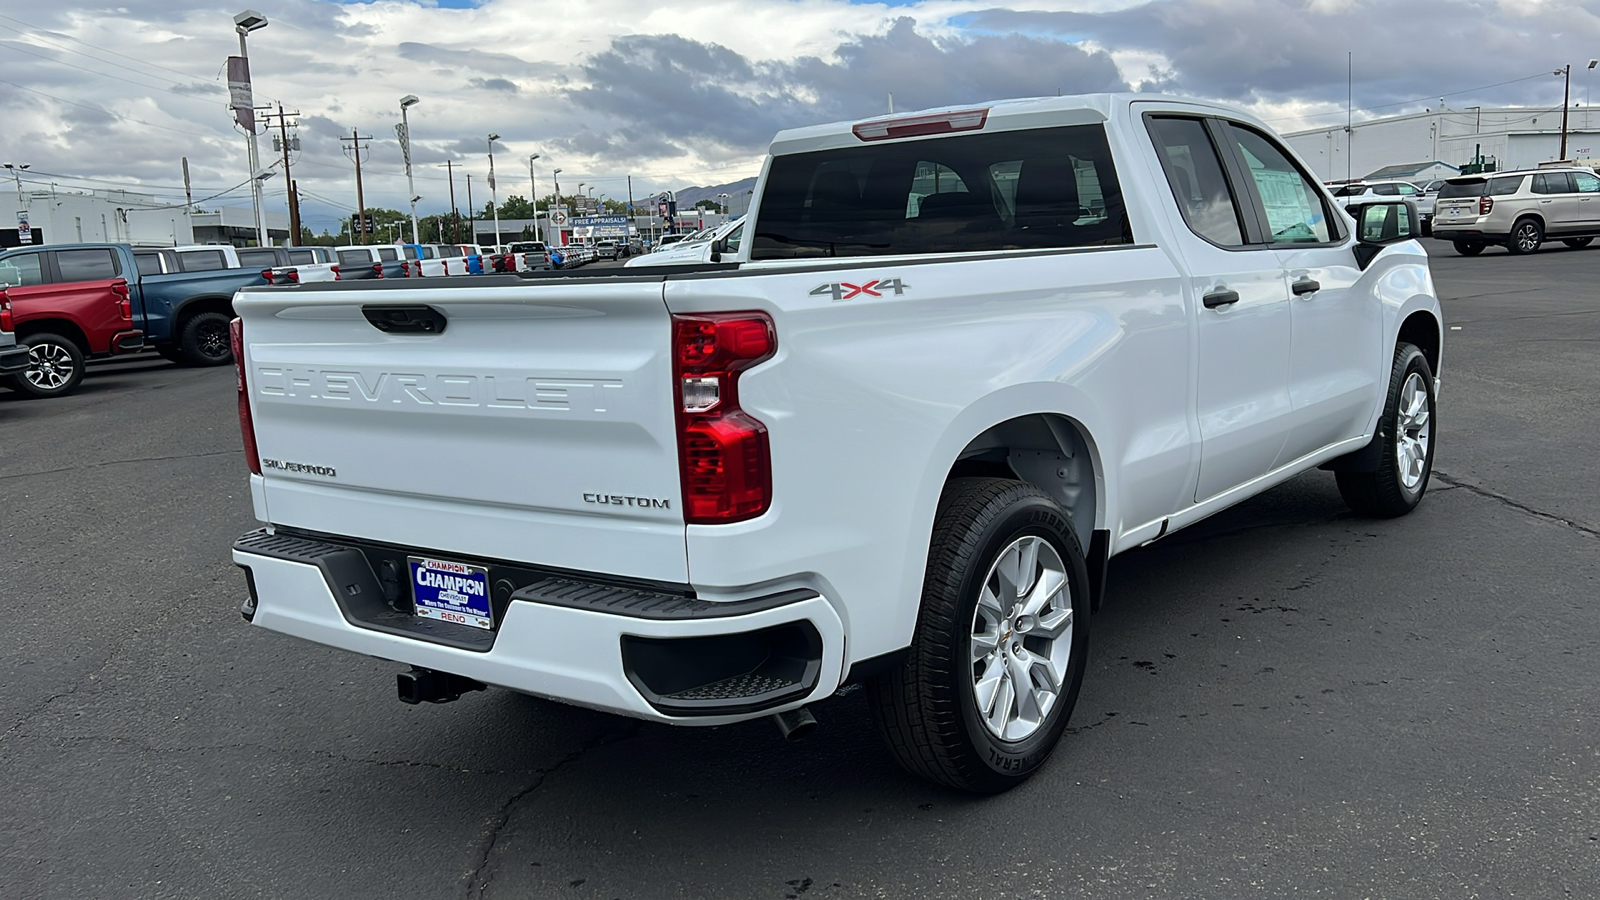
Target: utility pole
x=188 y=193
x=1566 y=97
x=360 y=234
x=472 y=224
x=455 y=214
x=633 y=214
x=289 y=187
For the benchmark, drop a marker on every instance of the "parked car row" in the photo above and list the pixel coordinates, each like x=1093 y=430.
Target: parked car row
x=1519 y=210
x=73 y=302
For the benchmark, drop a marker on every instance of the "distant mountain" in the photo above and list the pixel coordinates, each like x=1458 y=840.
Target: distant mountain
x=689 y=196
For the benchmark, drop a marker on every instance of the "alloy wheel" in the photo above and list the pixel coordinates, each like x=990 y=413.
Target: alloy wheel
x=49 y=366
x=1021 y=638
x=1413 y=432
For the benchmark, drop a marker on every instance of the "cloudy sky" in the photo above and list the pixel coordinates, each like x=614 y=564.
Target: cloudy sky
x=688 y=92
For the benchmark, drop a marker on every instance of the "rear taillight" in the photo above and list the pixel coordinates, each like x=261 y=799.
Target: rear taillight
x=266 y=275
x=724 y=460
x=247 y=425
x=124 y=298
x=405 y=268
x=1484 y=205
x=446 y=264
x=6 y=322
x=377 y=270
x=335 y=273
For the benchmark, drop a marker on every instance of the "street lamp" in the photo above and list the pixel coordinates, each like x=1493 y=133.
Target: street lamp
x=406 y=103
x=533 y=195
x=22 y=202
x=725 y=209
x=244 y=23
x=494 y=197
x=1592 y=64
x=550 y=230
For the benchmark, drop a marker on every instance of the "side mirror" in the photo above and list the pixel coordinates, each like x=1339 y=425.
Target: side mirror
x=718 y=247
x=1379 y=224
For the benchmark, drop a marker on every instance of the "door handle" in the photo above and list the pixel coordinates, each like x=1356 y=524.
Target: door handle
x=1306 y=286
x=1220 y=297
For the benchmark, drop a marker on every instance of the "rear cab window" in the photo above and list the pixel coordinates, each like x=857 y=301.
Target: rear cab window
x=302 y=257
x=264 y=257
x=1040 y=188
x=202 y=260
x=388 y=254
x=94 y=264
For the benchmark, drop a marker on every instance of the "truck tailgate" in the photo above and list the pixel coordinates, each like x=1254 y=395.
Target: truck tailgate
x=537 y=427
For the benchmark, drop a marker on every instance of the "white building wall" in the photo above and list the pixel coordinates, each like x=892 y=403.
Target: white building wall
x=1516 y=137
x=105 y=216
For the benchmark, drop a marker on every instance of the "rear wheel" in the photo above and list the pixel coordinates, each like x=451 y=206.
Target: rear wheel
x=1577 y=243
x=1526 y=236
x=998 y=655
x=1469 y=248
x=1405 y=460
x=55 y=366
x=204 y=341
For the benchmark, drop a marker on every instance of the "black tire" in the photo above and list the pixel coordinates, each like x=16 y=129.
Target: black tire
x=204 y=340
x=1526 y=236
x=55 y=366
x=926 y=708
x=1577 y=243
x=1469 y=248
x=1384 y=493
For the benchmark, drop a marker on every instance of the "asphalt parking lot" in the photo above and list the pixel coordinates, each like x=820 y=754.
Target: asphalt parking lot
x=1283 y=700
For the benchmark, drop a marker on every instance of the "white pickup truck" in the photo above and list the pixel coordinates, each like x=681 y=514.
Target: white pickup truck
x=959 y=360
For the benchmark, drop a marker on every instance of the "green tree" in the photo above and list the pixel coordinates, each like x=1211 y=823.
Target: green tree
x=712 y=205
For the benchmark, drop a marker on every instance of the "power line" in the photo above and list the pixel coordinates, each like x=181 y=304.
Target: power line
x=60 y=62
x=93 y=47
x=108 y=112
x=1410 y=102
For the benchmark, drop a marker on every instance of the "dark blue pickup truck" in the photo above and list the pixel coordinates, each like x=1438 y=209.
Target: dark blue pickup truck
x=182 y=298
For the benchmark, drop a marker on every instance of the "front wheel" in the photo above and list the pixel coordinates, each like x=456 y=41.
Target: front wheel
x=1578 y=243
x=1405 y=460
x=205 y=342
x=1469 y=248
x=998 y=655
x=1526 y=236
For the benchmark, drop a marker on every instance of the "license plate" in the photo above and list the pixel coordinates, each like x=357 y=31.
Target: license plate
x=451 y=592
x=1455 y=212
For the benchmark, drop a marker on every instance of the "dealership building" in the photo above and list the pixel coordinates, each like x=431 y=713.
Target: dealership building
x=1437 y=143
x=58 y=216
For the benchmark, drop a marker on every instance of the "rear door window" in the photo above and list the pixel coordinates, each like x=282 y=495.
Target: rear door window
x=96 y=264
x=1194 y=172
x=22 y=270
x=1033 y=189
x=1293 y=208
x=1586 y=183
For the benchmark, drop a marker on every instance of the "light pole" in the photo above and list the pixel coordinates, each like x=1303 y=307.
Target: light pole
x=550 y=231
x=244 y=23
x=726 y=211
x=406 y=103
x=22 y=202
x=1592 y=64
x=533 y=196
x=494 y=197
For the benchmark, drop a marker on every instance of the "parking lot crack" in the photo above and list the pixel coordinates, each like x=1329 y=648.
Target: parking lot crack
x=1498 y=497
x=118 y=462
x=478 y=879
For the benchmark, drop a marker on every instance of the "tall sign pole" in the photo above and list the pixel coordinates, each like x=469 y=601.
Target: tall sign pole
x=1566 y=97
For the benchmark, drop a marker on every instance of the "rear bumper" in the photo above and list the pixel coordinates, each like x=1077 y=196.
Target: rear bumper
x=620 y=649
x=127 y=342
x=13 y=360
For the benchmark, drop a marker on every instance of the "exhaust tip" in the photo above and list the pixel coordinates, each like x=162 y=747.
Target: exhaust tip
x=796 y=724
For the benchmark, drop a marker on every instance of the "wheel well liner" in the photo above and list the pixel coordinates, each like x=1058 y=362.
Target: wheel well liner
x=196 y=305
x=1422 y=329
x=1050 y=451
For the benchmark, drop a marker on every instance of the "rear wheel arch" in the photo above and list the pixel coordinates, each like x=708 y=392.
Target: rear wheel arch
x=64 y=327
x=1053 y=452
x=196 y=305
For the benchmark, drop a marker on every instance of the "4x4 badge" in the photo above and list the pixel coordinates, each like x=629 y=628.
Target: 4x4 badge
x=844 y=290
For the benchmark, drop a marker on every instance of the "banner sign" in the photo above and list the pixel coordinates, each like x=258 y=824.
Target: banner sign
x=24 y=230
x=240 y=99
x=602 y=226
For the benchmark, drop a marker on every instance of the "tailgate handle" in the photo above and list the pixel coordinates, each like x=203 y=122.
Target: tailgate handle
x=405 y=319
